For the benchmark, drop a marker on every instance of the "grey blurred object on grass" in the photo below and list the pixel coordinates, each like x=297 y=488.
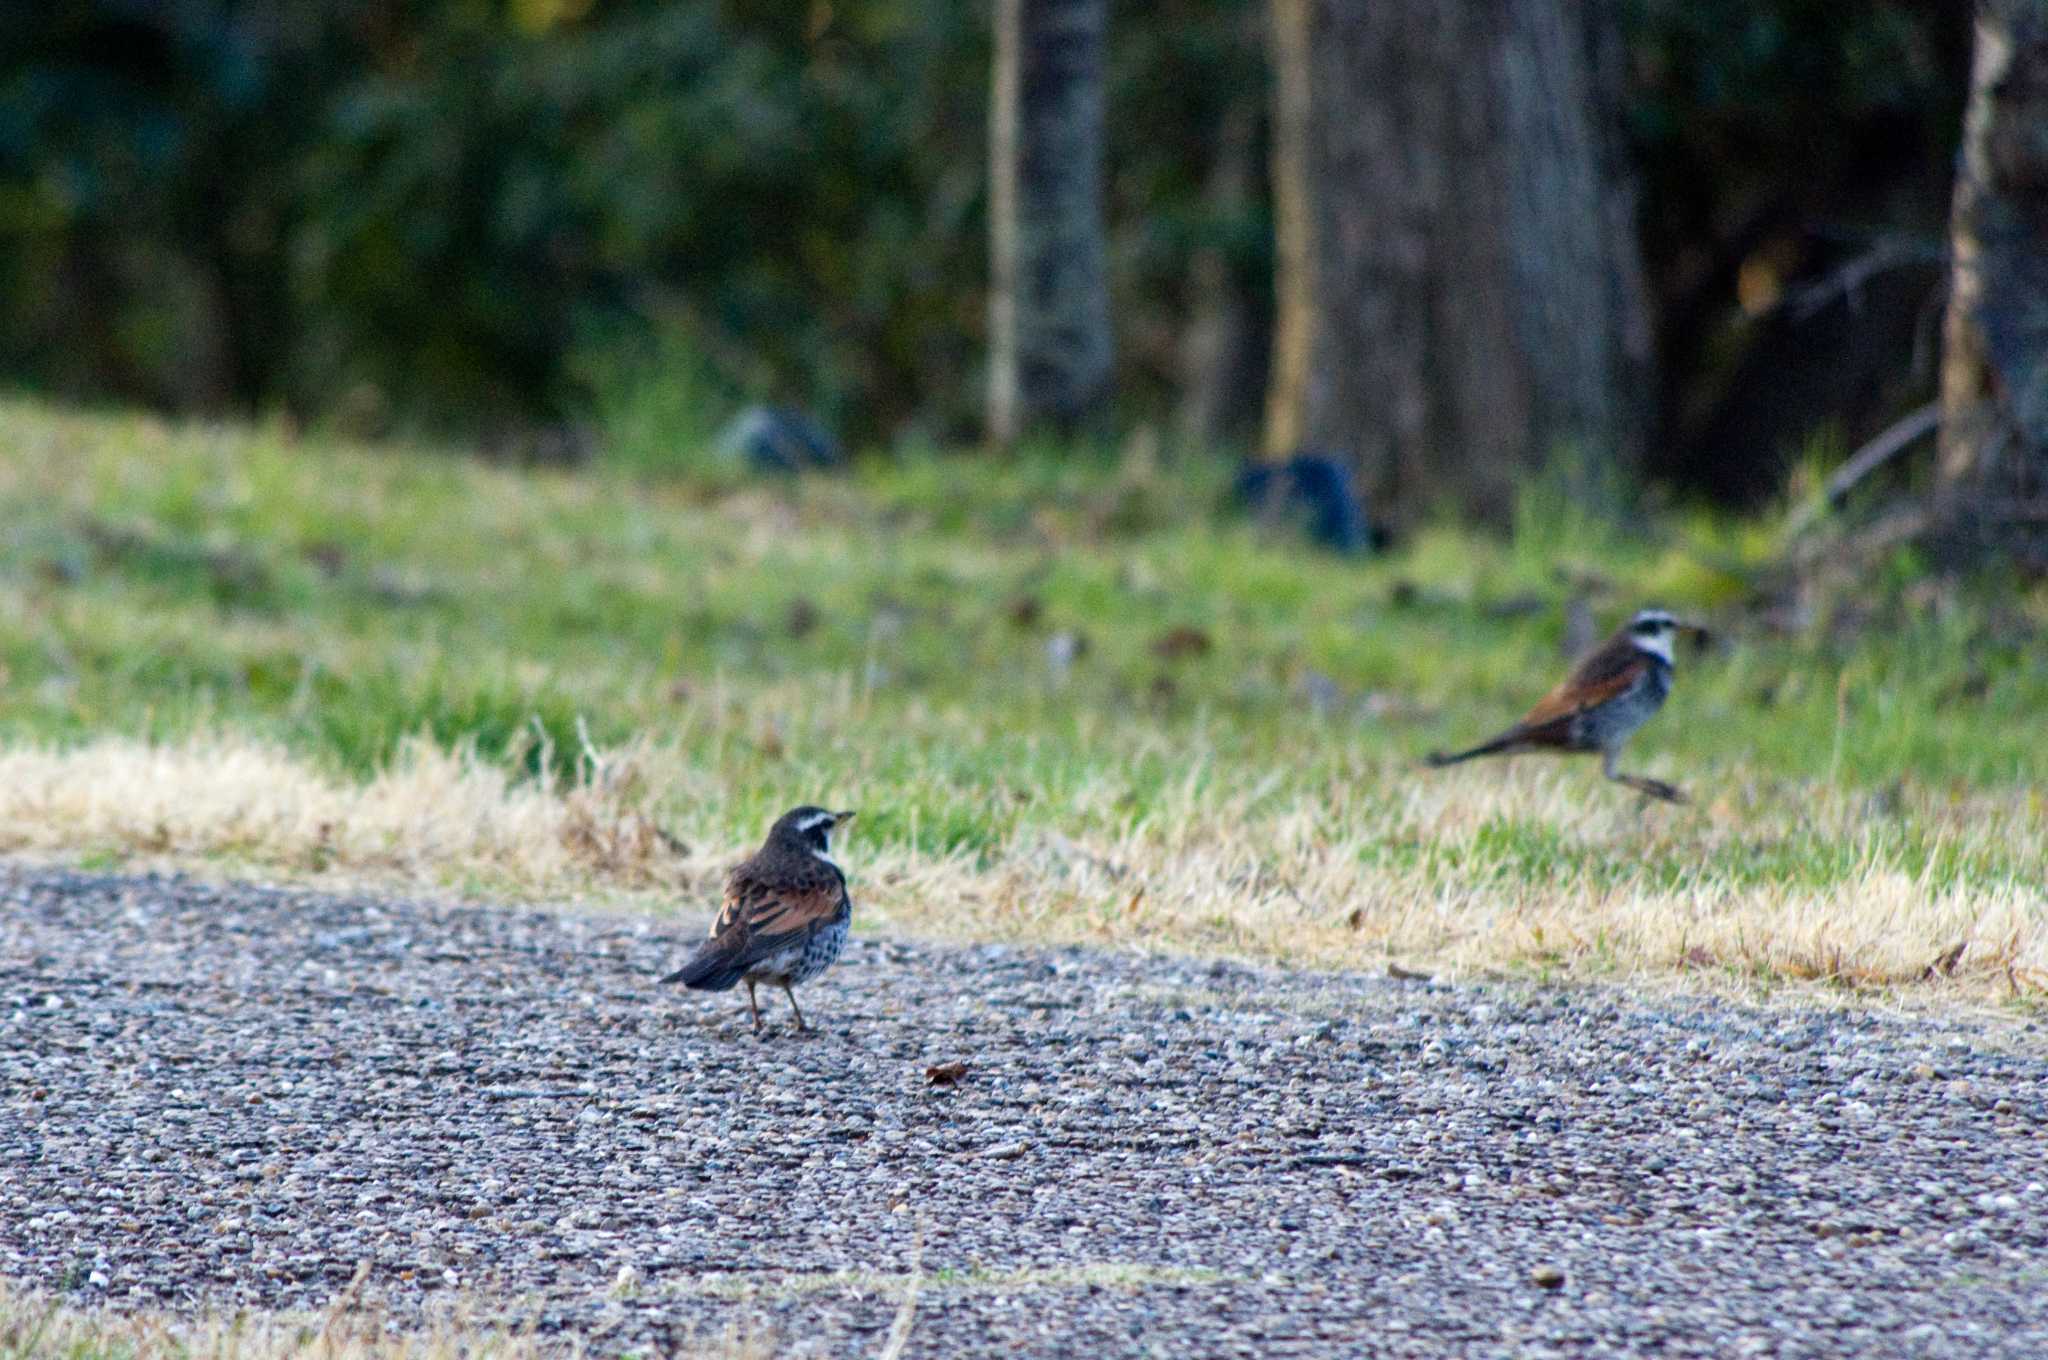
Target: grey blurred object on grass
x=778 y=439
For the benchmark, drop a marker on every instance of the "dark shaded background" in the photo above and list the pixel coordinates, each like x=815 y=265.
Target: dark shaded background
x=476 y=218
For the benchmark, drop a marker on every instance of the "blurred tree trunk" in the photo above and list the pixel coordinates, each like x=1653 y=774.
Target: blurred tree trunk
x=1223 y=351
x=1049 y=338
x=1994 y=372
x=1460 y=289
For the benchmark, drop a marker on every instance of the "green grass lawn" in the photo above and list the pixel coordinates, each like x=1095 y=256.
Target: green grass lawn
x=1073 y=699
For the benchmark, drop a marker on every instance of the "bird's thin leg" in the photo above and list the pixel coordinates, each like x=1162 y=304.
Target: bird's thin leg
x=791 y=994
x=753 y=1005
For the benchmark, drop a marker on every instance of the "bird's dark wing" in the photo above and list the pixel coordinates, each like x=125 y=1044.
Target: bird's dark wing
x=764 y=915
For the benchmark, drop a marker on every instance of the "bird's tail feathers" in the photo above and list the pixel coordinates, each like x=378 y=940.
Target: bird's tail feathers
x=1506 y=743
x=708 y=972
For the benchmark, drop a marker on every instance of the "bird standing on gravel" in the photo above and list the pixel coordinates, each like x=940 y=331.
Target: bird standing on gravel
x=786 y=914
x=1612 y=692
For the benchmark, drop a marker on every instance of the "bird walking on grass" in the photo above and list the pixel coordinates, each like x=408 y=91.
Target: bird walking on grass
x=785 y=917
x=1613 y=691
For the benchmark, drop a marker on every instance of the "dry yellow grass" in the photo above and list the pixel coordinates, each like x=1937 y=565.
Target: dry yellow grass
x=37 y=1327
x=431 y=819
x=1530 y=866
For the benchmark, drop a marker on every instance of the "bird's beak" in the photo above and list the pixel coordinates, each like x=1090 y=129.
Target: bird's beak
x=841 y=817
x=1701 y=637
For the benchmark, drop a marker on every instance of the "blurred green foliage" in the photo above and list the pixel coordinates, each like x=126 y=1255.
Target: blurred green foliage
x=474 y=214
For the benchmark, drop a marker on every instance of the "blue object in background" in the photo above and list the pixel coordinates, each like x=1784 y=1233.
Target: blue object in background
x=1316 y=488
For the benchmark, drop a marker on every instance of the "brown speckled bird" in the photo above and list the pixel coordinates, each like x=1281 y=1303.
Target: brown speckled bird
x=1611 y=693
x=786 y=914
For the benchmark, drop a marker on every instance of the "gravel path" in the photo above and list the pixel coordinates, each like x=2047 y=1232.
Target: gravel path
x=227 y=1095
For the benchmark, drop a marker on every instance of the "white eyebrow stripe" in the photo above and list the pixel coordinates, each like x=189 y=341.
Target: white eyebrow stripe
x=815 y=820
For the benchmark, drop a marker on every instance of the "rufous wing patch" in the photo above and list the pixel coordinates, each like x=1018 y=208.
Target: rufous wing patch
x=1580 y=693
x=761 y=917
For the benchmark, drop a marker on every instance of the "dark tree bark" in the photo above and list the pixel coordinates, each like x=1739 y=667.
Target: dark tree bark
x=1049 y=337
x=1994 y=375
x=1223 y=350
x=1460 y=291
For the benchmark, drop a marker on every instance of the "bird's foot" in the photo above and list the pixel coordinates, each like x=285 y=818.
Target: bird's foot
x=1656 y=788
